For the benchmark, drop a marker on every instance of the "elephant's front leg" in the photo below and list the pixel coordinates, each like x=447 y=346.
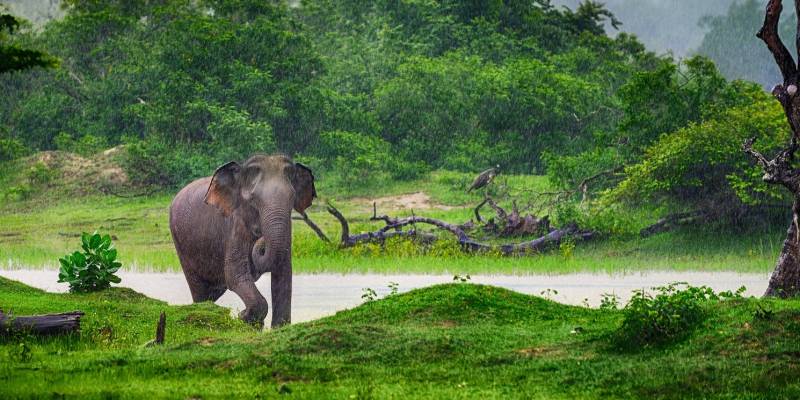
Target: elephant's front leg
x=281 y=296
x=239 y=279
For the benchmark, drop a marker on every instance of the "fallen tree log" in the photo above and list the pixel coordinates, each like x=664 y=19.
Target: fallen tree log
x=314 y=227
x=394 y=229
x=51 y=324
x=672 y=221
x=347 y=240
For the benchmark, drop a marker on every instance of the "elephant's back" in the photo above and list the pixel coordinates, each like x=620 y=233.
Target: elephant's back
x=189 y=204
x=197 y=229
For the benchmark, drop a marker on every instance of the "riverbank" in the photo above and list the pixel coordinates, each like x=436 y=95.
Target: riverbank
x=35 y=235
x=447 y=341
x=320 y=295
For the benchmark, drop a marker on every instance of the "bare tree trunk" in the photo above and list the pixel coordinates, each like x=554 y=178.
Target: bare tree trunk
x=785 y=280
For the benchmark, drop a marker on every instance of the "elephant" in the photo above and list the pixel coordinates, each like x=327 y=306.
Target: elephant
x=232 y=227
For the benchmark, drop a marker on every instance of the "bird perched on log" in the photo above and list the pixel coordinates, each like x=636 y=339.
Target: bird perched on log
x=484 y=178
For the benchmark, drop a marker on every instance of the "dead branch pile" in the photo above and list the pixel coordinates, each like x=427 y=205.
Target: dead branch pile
x=512 y=224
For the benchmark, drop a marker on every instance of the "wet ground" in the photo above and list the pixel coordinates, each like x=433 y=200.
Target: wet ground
x=321 y=295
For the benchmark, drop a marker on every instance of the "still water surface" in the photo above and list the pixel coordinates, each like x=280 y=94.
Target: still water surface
x=319 y=295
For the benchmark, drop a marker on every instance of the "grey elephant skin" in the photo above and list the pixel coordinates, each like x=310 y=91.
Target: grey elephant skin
x=232 y=227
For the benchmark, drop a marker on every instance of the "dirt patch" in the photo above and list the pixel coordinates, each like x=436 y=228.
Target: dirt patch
x=207 y=341
x=411 y=201
x=72 y=170
x=539 y=352
x=280 y=377
x=448 y=324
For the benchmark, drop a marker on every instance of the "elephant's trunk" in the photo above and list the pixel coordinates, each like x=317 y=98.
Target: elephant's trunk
x=273 y=249
x=259 y=254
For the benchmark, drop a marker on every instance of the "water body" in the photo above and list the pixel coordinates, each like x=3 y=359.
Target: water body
x=319 y=295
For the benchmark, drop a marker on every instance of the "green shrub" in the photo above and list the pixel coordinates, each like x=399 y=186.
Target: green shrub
x=11 y=149
x=671 y=314
x=94 y=268
x=40 y=174
x=157 y=163
x=18 y=192
x=356 y=157
x=609 y=301
x=567 y=248
x=568 y=172
x=703 y=164
x=235 y=134
x=86 y=145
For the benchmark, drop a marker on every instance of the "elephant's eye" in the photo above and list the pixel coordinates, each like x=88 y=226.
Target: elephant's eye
x=290 y=171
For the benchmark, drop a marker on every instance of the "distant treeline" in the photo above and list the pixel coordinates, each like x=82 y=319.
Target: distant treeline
x=387 y=90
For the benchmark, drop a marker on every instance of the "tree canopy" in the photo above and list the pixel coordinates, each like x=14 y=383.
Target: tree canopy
x=386 y=89
x=13 y=57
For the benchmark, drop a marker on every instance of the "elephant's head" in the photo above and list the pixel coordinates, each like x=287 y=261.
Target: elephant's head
x=262 y=193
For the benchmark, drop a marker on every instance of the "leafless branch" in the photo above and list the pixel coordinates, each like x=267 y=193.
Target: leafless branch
x=778 y=170
x=468 y=244
x=769 y=34
x=314 y=227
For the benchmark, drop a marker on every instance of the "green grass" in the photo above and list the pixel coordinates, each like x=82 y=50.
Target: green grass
x=448 y=341
x=35 y=233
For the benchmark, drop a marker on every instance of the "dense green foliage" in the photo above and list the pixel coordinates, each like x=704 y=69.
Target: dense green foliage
x=680 y=143
x=669 y=315
x=447 y=341
x=368 y=93
x=702 y=164
x=94 y=268
x=189 y=85
x=14 y=57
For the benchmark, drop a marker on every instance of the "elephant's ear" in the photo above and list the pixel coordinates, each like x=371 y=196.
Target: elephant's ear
x=303 y=183
x=223 y=192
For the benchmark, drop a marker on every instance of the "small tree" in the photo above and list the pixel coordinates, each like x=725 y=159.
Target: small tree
x=13 y=57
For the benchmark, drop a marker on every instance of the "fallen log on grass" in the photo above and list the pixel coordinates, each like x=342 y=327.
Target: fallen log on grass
x=394 y=227
x=347 y=240
x=51 y=324
x=314 y=227
x=672 y=221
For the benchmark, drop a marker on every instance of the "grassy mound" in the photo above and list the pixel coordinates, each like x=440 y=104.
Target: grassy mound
x=458 y=304
x=446 y=341
x=62 y=173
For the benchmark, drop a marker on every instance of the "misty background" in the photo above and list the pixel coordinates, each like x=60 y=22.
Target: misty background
x=664 y=25
x=723 y=30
